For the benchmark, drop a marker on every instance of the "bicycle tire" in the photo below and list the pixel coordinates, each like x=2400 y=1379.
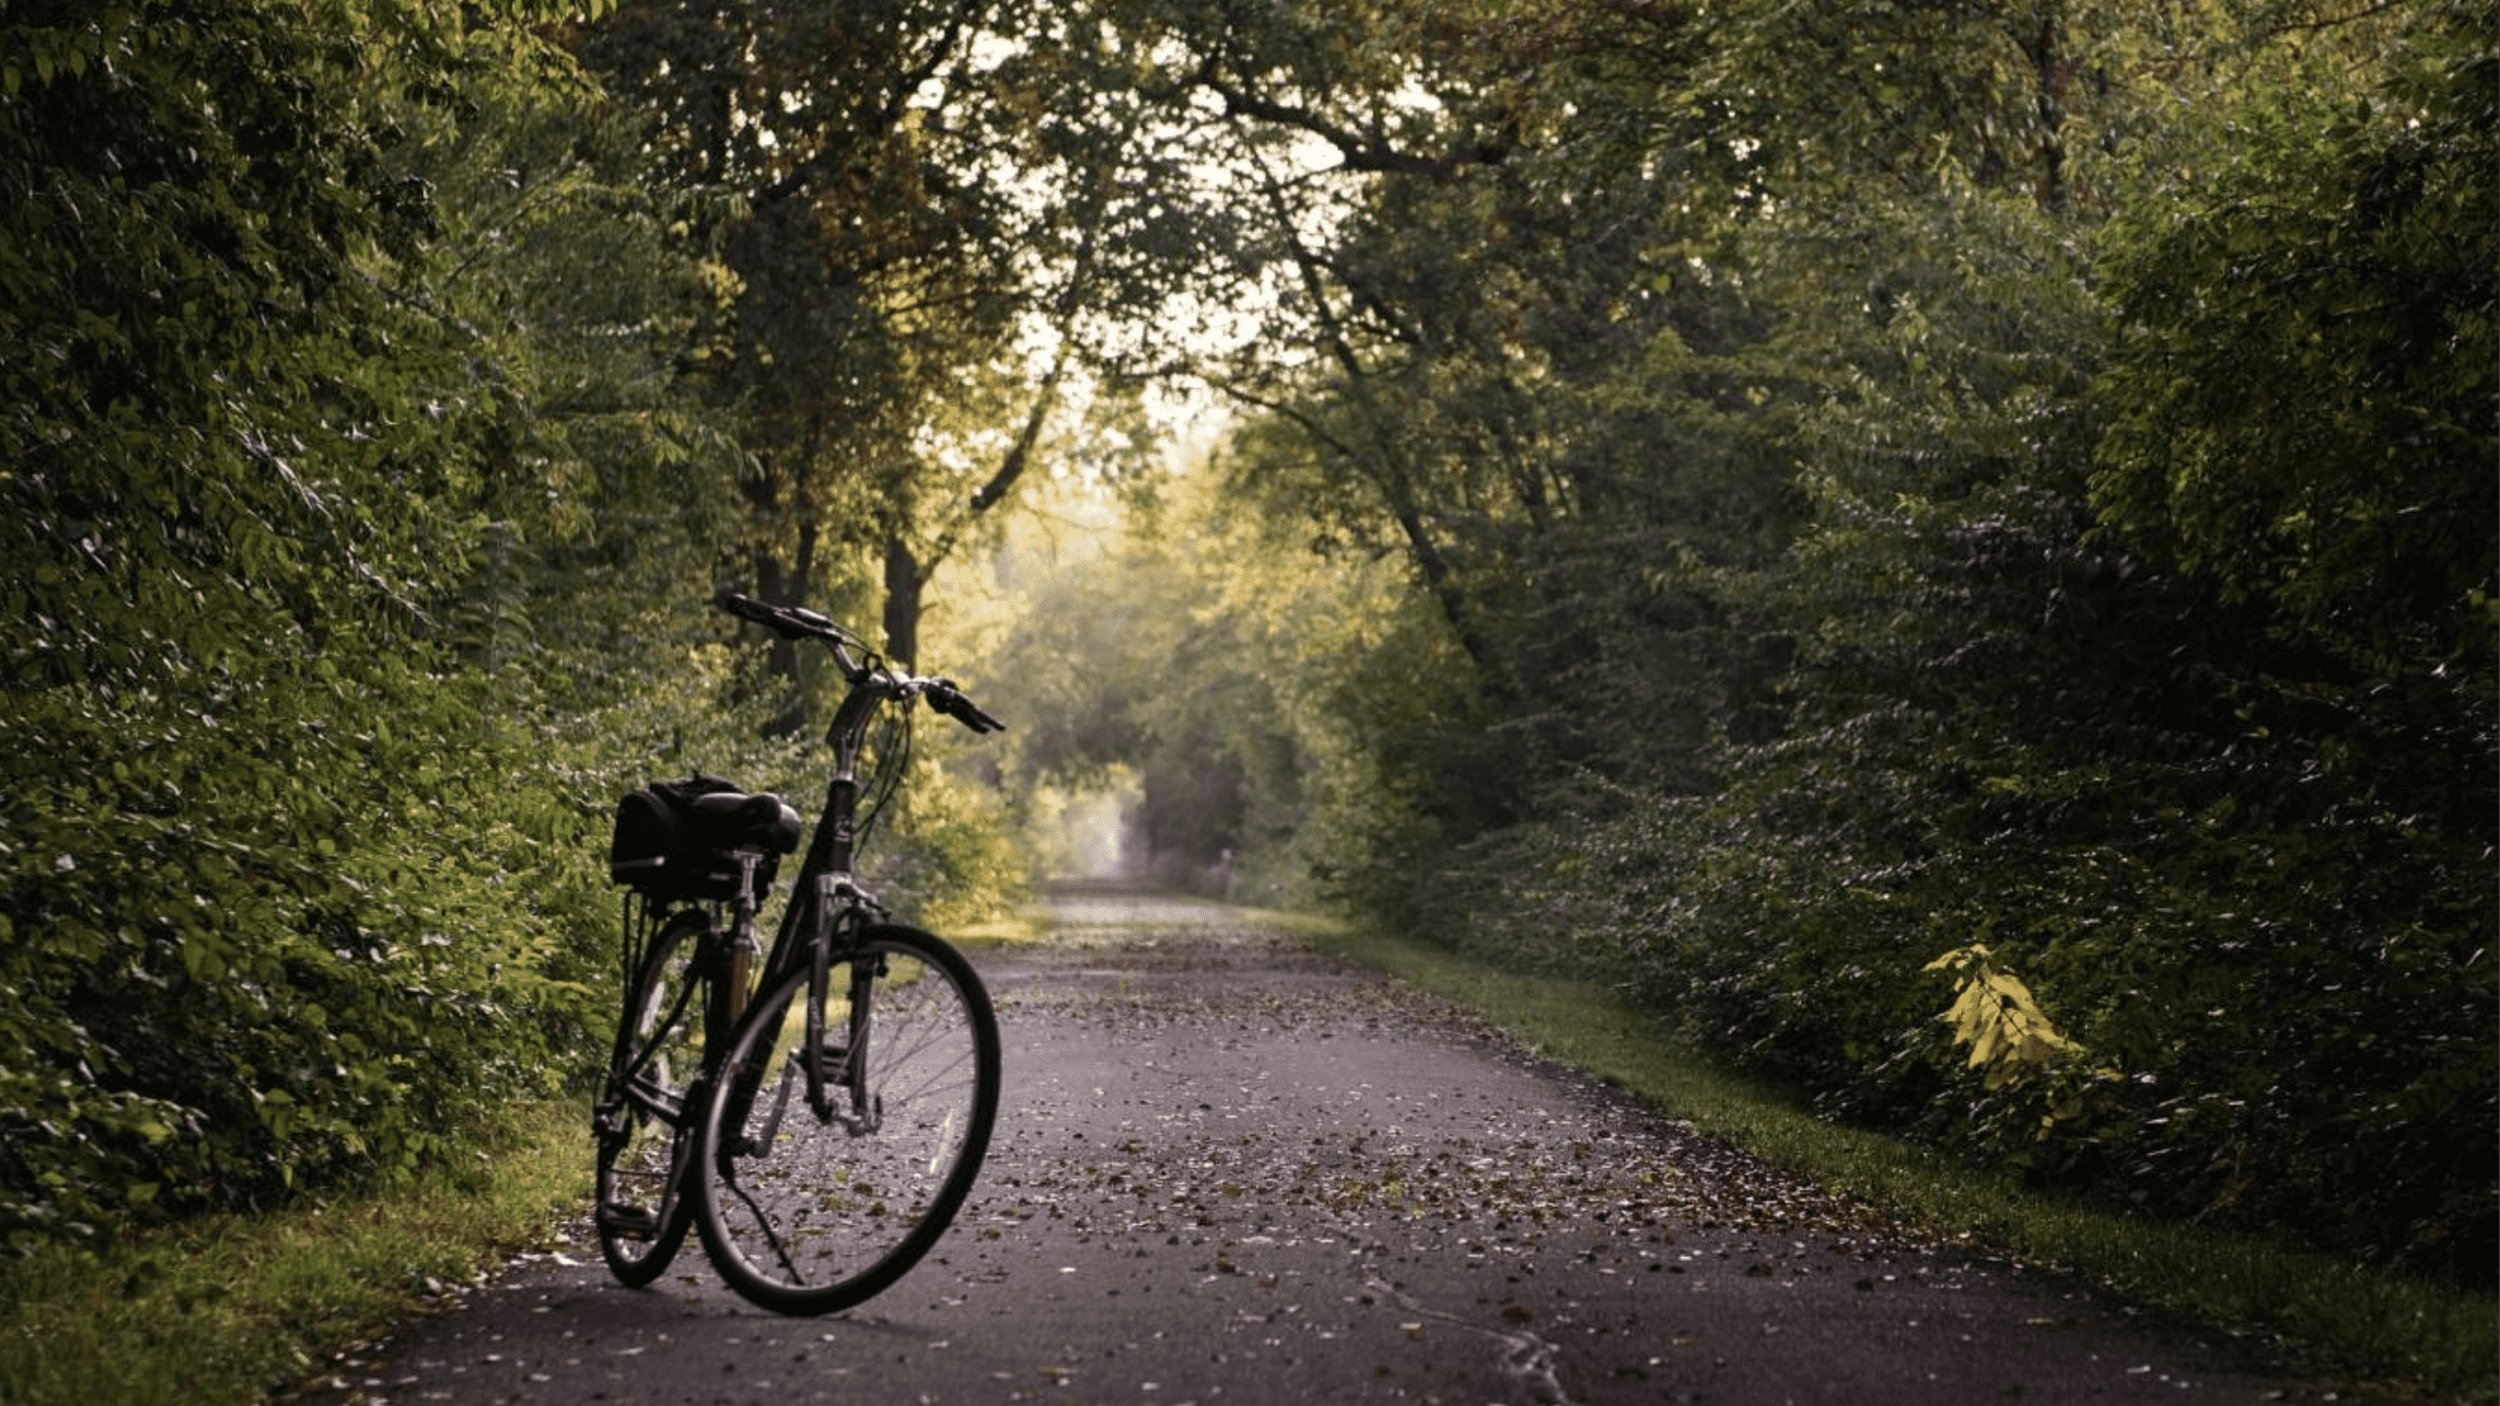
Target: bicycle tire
x=805 y=1215
x=644 y=1124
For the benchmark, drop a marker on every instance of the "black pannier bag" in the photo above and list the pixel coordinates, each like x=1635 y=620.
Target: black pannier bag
x=673 y=838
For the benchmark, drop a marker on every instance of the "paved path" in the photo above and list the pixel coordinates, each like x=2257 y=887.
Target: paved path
x=1230 y=1171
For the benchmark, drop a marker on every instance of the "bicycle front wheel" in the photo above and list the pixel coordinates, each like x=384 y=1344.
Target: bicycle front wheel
x=832 y=1163
x=643 y=1123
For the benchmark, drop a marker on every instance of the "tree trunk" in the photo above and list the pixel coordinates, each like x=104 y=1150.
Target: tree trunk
x=787 y=586
x=904 y=580
x=2045 y=47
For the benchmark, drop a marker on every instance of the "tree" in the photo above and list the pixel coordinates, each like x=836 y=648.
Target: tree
x=1476 y=356
x=858 y=268
x=931 y=214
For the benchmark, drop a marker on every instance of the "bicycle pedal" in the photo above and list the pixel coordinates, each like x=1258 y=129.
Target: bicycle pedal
x=833 y=1065
x=631 y=1222
x=609 y=1129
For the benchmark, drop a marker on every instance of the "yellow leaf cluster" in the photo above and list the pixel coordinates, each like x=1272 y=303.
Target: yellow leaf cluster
x=2009 y=1036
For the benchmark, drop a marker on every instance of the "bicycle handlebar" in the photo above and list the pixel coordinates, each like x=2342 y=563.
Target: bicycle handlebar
x=948 y=699
x=797 y=623
x=788 y=621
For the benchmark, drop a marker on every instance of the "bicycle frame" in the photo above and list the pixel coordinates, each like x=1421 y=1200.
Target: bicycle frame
x=824 y=884
x=827 y=903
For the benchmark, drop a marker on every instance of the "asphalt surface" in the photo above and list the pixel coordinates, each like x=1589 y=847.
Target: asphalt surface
x=1230 y=1171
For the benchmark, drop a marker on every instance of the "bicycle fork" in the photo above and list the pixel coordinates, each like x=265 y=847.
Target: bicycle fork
x=832 y=1070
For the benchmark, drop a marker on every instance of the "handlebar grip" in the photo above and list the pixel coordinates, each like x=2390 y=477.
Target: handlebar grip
x=948 y=699
x=791 y=622
x=748 y=608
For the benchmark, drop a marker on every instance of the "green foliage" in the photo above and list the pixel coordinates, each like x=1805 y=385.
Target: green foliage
x=2304 y=393
x=2253 y=885
x=2344 y=526
x=219 y=580
x=1997 y=502
x=950 y=859
x=290 y=885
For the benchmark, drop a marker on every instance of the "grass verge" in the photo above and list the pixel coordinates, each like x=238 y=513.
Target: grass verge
x=227 y=1309
x=2398 y=1336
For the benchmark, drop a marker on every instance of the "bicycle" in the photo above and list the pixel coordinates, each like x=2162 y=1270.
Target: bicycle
x=822 y=1122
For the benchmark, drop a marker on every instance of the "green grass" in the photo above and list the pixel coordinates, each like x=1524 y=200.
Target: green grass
x=2395 y=1334
x=224 y=1310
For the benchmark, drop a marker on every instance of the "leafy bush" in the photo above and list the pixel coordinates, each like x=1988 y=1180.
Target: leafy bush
x=2281 y=968
x=293 y=889
x=951 y=857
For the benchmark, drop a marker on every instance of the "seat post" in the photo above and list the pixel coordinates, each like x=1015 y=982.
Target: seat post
x=742 y=945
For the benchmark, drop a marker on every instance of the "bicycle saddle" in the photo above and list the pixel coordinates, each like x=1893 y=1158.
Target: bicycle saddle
x=731 y=820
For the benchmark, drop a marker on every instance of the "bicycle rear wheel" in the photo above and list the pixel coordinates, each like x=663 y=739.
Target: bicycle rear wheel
x=643 y=1124
x=813 y=1207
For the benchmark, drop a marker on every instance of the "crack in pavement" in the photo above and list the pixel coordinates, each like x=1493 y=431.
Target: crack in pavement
x=1529 y=1359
